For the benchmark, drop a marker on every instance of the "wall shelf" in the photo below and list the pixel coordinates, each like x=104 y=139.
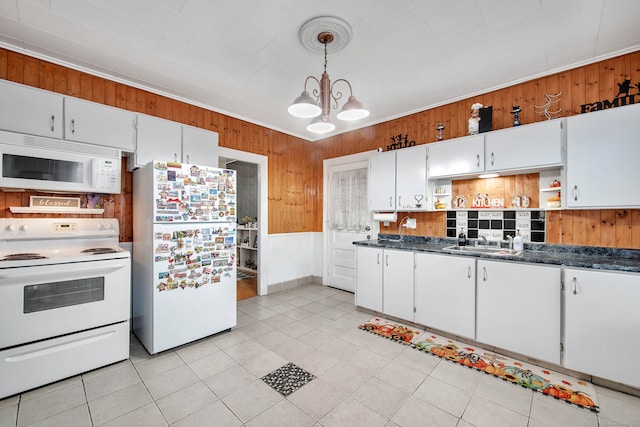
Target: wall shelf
x=75 y=211
x=247 y=246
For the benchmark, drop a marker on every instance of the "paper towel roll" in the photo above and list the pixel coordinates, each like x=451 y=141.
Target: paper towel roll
x=385 y=216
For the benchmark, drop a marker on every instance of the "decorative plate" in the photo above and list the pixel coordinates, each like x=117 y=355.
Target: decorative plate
x=525 y=201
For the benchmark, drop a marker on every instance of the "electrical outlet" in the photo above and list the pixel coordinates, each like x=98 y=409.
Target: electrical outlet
x=411 y=223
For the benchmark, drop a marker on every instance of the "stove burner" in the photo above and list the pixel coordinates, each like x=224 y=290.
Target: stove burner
x=99 y=251
x=20 y=257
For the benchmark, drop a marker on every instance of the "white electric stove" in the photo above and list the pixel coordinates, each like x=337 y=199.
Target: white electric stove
x=65 y=288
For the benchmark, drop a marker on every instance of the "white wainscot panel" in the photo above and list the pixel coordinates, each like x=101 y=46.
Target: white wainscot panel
x=292 y=256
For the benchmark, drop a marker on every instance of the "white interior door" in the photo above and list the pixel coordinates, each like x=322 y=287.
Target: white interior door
x=339 y=260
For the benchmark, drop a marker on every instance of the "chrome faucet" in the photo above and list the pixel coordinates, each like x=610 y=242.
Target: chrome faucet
x=510 y=238
x=484 y=240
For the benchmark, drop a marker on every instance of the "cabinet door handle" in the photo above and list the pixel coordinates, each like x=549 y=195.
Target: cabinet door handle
x=386 y=260
x=53 y=118
x=73 y=126
x=378 y=259
x=575 y=285
x=399 y=201
x=492 y=159
x=468 y=272
x=187 y=158
x=484 y=274
x=390 y=201
x=575 y=192
x=175 y=157
x=477 y=160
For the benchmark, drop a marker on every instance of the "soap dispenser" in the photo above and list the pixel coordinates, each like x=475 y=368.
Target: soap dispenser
x=518 y=242
x=462 y=238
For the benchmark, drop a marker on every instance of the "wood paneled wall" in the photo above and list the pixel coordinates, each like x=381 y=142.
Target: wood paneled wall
x=295 y=165
x=294 y=204
x=590 y=83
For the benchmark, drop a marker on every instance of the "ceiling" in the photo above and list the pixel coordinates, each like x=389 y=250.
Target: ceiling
x=244 y=58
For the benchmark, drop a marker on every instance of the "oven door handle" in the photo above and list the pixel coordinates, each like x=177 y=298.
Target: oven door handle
x=12 y=273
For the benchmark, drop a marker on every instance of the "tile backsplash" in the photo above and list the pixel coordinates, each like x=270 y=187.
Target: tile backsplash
x=497 y=224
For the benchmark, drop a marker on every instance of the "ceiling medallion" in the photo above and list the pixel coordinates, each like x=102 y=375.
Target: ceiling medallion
x=339 y=29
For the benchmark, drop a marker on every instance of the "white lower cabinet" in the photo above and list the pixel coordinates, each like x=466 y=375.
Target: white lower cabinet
x=397 y=284
x=369 y=278
x=518 y=308
x=445 y=293
x=384 y=281
x=602 y=324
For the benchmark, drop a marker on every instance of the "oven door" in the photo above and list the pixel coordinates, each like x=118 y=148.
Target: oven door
x=48 y=301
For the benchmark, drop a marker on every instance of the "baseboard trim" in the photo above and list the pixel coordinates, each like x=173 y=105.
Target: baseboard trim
x=290 y=284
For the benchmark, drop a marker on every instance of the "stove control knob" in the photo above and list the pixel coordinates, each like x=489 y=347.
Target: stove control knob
x=106 y=226
x=24 y=227
x=11 y=227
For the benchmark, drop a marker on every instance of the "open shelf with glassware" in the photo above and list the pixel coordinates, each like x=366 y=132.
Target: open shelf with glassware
x=440 y=191
x=247 y=248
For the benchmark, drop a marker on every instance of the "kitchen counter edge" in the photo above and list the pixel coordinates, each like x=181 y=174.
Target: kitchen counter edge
x=590 y=257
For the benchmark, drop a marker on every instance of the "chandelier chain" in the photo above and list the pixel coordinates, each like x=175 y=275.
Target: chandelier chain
x=325 y=57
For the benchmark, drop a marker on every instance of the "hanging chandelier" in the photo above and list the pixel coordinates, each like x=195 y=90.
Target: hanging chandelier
x=325 y=97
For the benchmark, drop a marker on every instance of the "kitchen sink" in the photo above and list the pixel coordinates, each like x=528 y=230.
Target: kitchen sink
x=488 y=250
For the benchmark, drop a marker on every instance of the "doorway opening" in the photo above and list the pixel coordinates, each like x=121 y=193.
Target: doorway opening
x=251 y=213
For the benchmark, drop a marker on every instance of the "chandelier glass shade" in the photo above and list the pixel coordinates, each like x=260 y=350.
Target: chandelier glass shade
x=318 y=105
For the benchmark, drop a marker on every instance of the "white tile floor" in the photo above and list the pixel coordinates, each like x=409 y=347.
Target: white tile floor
x=362 y=380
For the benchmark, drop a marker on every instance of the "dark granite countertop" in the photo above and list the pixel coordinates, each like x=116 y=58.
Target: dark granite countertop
x=593 y=257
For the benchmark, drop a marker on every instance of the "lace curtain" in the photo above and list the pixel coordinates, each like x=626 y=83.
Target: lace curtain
x=348 y=208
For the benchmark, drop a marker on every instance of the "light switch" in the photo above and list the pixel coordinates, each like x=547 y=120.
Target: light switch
x=411 y=223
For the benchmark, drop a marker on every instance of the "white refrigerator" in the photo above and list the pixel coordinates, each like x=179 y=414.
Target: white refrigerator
x=184 y=253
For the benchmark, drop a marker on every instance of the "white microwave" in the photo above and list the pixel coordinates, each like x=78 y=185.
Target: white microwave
x=53 y=165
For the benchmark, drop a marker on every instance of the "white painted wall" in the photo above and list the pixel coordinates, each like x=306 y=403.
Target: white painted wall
x=292 y=256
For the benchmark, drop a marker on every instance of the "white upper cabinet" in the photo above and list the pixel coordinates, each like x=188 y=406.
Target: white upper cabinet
x=158 y=139
x=603 y=150
x=457 y=156
x=99 y=124
x=32 y=111
x=199 y=146
x=398 y=180
x=533 y=146
x=411 y=179
x=382 y=181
